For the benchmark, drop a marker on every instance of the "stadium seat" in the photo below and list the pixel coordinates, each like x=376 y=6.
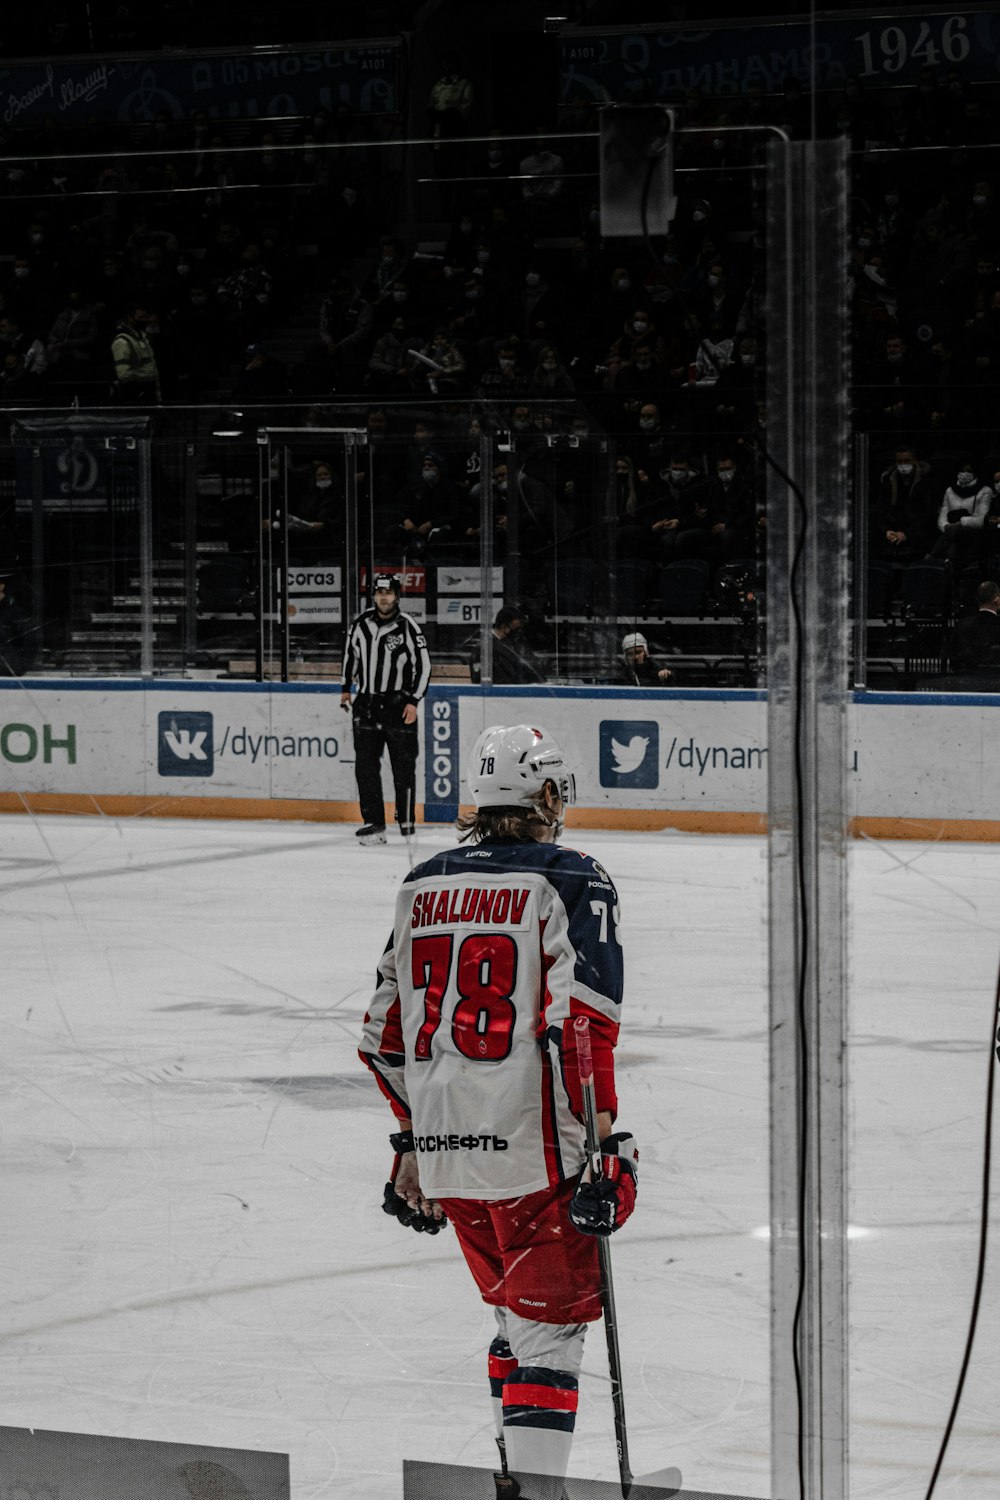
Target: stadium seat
x=924 y=590
x=633 y=586
x=682 y=586
x=573 y=591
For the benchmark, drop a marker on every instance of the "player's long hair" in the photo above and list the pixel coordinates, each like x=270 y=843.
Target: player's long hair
x=519 y=822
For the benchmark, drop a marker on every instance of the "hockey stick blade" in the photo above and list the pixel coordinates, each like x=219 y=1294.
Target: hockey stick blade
x=658 y=1486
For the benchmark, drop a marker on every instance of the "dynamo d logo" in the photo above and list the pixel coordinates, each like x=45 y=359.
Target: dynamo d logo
x=185 y=744
x=630 y=753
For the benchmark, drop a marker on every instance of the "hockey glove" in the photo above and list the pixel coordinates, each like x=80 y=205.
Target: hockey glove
x=604 y=1199
x=397 y=1207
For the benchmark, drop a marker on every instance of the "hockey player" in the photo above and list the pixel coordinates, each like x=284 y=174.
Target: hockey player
x=386 y=655
x=498 y=945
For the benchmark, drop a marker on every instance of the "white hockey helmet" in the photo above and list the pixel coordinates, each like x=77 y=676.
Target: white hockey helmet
x=633 y=642
x=512 y=762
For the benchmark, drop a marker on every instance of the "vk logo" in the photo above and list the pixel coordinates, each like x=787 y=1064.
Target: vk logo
x=630 y=753
x=185 y=744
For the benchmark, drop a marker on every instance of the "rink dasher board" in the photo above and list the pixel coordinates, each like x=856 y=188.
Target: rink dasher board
x=58 y=1465
x=917 y=765
x=427 y=1481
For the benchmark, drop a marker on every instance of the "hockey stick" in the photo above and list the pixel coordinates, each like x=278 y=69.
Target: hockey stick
x=666 y=1480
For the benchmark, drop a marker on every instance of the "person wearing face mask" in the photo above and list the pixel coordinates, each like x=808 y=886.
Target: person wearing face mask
x=677 y=519
x=389 y=365
x=904 y=510
x=648 y=448
x=73 y=335
x=961 y=514
x=536 y=309
x=314 y=531
x=449 y=113
x=136 y=370
x=346 y=329
x=550 y=378
x=440 y=366
x=543 y=188
x=894 y=389
x=732 y=505
x=429 y=513
x=637 y=329
x=503 y=381
x=717 y=303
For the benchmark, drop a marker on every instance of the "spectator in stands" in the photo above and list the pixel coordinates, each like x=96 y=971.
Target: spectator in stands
x=449 y=108
x=441 y=364
x=345 y=328
x=502 y=382
x=732 y=504
x=734 y=394
x=638 y=331
x=136 y=371
x=19 y=638
x=639 y=669
x=73 y=335
x=902 y=516
x=678 y=519
x=511 y=659
x=717 y=303
x=550 y=377
x=389 y=269
x=390 y=369
x=430 y=512
x=963 y=510
x=648 y=448
x=314 y=519
x=898 y=382
x=18 y=386
x=538 y=309
x=245 y=294
x=262 y=381
x=31 y=352
x=203 y=339
x=544 y=167
x=975 y=641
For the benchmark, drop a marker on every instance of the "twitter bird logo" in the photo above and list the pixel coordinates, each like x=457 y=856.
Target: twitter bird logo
x=630 y=753
x=628 y=758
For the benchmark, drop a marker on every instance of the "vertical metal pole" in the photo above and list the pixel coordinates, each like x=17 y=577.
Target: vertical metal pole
x=264 y=547
x=284 y=623
x=349 y=582
x=861 y=443
x=190 y=556
x=808 y=659
x=145 y=558
x=486 y=558
x=39 y=605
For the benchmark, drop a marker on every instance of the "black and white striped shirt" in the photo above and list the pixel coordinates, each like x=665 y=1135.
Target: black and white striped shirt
x=386 y=656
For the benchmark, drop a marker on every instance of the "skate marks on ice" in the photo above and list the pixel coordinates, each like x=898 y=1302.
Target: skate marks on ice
x=427 y=1481
x=57 y=1465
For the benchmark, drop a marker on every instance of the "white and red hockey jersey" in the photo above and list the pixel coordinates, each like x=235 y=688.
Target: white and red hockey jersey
x=497 y=946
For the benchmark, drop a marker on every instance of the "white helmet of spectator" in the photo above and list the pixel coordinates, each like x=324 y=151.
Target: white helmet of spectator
x=511 y=764
x=636 y=641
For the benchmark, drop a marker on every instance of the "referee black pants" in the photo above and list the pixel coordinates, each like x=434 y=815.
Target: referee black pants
x=370 y=739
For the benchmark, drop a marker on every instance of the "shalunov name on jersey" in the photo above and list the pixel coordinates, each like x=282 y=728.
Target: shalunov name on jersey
x=491 y=906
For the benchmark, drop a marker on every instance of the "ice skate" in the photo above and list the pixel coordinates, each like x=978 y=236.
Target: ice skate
x=371 y=833
x=407 y=830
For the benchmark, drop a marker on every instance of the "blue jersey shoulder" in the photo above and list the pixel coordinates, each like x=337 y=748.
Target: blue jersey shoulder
x=565 y=868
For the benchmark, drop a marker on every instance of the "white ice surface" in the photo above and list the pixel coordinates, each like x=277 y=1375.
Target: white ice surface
x=192 y=1161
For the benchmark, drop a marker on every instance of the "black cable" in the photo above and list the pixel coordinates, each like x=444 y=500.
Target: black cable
x=983 y=1240
x=804 y=946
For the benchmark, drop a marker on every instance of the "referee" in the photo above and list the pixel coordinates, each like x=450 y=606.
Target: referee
x=386 y=657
